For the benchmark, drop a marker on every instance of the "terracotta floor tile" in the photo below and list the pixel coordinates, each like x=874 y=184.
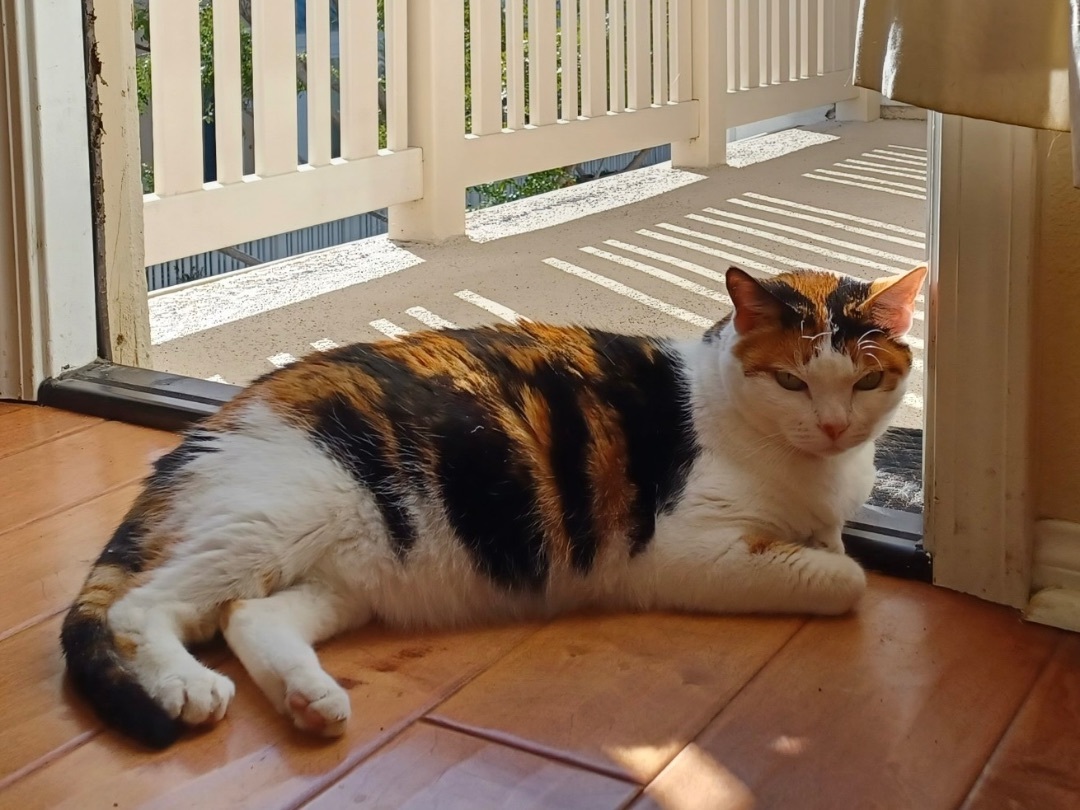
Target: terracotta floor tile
x=619 y=693
x=1037 y=764
x=428 y=766
x=897 y=706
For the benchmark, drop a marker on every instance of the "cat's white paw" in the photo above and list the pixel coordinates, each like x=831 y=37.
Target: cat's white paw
x=316 y=704
x=843 y=584
x=196 y=695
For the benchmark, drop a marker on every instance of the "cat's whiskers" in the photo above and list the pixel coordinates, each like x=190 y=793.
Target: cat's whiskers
x=870 y=353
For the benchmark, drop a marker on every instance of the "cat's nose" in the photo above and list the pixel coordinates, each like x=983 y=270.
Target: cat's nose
x=834 y=430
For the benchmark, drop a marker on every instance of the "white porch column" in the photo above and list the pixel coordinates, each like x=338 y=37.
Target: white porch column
x=709 y=87
x=436 y=103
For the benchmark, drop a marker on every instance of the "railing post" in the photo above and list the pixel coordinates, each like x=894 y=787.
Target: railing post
x=708 y=19
x=864 y=107
x=436 y=100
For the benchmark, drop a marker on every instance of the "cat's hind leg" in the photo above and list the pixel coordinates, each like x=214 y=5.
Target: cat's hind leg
x=274 y=636
x=752 y=573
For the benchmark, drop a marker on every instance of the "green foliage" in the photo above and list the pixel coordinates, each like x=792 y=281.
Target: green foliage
x=206 y=58
x=502 y=191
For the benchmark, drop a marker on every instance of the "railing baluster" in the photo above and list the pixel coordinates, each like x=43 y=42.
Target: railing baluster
x=768 y=51
x=753 y=42
x=798 y=53
x=617 y=81
x=273 y=36
x=543 y=100
x=485 y=20
x=594 y=100
x=318 y=81
x=786 y=47
x=828 y=36
x=682 y=64
x=358 y=37
x=659 y=51
x=568 y=59
x=813 y=38
x=397 y=74
x=849 y=13
x=228 y=124
x=515 y=64
x=734 y=46
x=637 y=54
x=176 y=99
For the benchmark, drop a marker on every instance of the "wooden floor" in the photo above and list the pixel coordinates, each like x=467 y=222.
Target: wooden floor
x=924 y=699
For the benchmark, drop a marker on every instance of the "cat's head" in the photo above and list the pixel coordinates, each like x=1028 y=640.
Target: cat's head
x=822 y=356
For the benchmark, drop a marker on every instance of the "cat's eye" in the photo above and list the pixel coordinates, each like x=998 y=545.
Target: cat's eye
x=868 y=382
x=790 y=381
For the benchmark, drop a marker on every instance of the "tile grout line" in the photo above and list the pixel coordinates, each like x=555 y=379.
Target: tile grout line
x=335 y=775
x=1057 y=651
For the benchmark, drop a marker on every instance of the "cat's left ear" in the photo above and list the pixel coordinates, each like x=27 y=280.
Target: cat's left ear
x=891 y=305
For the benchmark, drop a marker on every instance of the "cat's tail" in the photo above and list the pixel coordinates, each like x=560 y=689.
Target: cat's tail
x=99 y=663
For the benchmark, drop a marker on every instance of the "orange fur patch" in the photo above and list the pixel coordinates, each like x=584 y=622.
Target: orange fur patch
x=765 y=351
x=613 y=492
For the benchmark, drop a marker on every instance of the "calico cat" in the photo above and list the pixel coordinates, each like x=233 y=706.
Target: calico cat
x=478 y=474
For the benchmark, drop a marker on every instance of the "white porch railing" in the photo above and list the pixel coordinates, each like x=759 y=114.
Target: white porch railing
x=184 y=215
x=579 y=79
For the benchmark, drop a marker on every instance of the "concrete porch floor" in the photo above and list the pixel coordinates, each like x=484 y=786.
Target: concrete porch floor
x=847 y=197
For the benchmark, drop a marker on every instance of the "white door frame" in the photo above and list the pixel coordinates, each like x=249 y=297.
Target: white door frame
x=47 y=287
x=984 y=189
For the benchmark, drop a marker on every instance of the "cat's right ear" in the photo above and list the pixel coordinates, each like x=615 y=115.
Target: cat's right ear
x=754 y=305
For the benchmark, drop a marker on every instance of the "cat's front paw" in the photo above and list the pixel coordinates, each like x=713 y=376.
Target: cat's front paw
x=842 y=583
x=316 y=704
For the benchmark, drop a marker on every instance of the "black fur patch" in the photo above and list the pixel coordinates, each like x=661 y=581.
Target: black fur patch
x=489 y=497
x=125 y=547
x=797 y=309
x=100 y=677
x=849 y=293
x=170 y=467
x=350 y=438
x=652 y=399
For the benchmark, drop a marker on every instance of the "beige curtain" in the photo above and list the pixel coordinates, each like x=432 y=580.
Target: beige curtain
x=1013 y=61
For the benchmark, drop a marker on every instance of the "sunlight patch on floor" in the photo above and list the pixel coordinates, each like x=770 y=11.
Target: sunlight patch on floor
x=181 y=311
x=749 y=151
